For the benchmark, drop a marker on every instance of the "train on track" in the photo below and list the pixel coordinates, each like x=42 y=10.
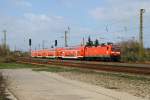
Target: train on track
x=107 y=52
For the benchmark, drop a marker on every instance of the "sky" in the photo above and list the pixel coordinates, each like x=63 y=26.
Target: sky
x=47 y=20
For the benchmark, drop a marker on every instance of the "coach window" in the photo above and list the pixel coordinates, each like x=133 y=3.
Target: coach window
x=78 y=52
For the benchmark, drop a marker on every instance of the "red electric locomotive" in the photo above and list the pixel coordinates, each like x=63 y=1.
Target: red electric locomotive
x=104 y=52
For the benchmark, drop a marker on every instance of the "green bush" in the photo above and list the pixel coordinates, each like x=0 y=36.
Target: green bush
x=6 y=56
x=129 y=51
x=147 y=54
x=4 y=50
x=8 y=59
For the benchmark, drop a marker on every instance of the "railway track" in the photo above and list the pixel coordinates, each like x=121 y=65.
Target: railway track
x=105 y=66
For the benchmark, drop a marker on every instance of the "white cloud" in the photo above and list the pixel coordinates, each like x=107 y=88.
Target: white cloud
x=37 y=26
x=42 y=17
x=119 y=9
x=49 y=27
x=98 y=13
x=66 y=3
x=23 y=3
x=118 y=14
x=69 y=3
x=43 y=22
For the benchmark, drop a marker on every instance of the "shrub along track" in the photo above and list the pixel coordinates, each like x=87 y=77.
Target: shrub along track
x=126 y=68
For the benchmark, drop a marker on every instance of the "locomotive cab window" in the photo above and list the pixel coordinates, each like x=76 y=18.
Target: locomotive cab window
x=115 y=48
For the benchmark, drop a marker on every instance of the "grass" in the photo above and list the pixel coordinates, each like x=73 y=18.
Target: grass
x=57 y=69
x=124 y=76
x=15 y=65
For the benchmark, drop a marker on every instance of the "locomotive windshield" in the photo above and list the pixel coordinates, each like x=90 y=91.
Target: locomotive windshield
x=116 y=48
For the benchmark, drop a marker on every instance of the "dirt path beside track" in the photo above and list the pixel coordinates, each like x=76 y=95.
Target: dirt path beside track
x=26 y=84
